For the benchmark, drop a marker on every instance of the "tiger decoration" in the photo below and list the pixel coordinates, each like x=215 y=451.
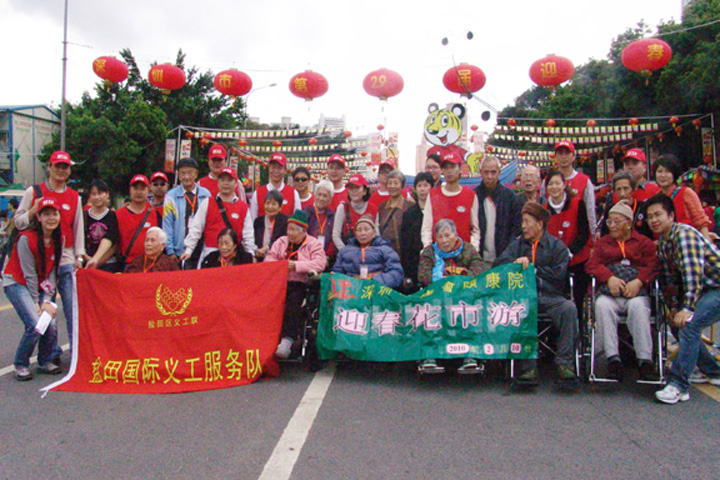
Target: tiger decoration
x=443 y=128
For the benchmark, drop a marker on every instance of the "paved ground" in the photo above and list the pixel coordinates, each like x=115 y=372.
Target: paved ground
x=374 y=421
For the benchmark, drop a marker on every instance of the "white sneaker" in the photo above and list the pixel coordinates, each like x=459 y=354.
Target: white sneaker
x=698 y=377
x=284 y=348
x=672 y=395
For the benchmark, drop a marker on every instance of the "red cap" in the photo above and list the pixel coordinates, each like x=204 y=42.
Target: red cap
x=434 y=151
x=159 y=175
x=140 y=179
x=357 y=180
x=388 y=162
x=228 y=171
x=336 y=158
x=565 y=144
x=48 y=202
x=217 y=151
x=452 y=158
x=279 y=158
x=635 y=153
x=60 y=157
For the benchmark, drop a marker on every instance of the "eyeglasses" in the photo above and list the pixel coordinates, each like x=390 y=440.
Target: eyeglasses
x=612 y=223
x=301 y=179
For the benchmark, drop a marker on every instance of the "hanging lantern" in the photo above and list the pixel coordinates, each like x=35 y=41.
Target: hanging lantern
x=678 y=130
x=347 y=134
x=464 y=79
x=661 y=136
x=381 y=127
x=363 y=153
x=277 y=143
x=383 y=83
x=696 y=123
x=698 y=181
x=550 y=123
x=674 y=120
x=474 y=128
x=203 y=142
x=522 y=153
x=633 y=121
x=110 y=69
x=592 y=123
x=166 y=77
x=489 y=149
x=512 y=123
x=646 y=55
x=189 y=135
x=308 y=85
x=242 y=142
x=208 y=135
x=233 y=83
x=551 y=71
x=312 y=141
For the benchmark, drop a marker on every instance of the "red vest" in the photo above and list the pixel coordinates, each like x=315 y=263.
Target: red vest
x=647 y=191
x=69 y=201
x=212 y=185
x=14 y=268
x=376 y=199
x=214 y=222
x=128 y=223
x=288 y=206
x=337 y=199
x=307 y=203
x=578 y=184
x=681 y=214
x=564 y=225
x=355 y=216
x=457 y=208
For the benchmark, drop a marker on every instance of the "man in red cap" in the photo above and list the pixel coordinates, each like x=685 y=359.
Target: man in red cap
x=133 y=219
x=277 y=168
x=578 y=182
x=159 y=185
x=71 y=224
x=224 y=210
x=336 y=169
x=217 y=160
x=635 y=163
x=452 y=201
x=382 y=194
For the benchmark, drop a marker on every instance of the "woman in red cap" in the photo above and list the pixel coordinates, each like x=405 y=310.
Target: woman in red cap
x=350 y=210
x=29 y=281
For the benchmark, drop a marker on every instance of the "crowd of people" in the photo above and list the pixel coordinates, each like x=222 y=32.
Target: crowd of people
x=402 y=238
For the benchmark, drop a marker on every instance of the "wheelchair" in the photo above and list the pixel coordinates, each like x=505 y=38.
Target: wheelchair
x=304 y=350
x=659 y=329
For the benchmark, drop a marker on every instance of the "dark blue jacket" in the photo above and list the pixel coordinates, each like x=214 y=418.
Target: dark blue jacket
x=508 y=219
x=379 y=257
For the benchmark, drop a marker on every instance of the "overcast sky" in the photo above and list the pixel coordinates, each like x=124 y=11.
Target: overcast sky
x=271 y=40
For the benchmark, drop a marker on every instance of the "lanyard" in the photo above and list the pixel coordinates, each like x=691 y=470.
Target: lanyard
x=225 y=263
x=293 y=253
x=362 y=253
x=534 y=248
x=192 y=202
x=145 y=267
x=322 y=225
x=622 y=247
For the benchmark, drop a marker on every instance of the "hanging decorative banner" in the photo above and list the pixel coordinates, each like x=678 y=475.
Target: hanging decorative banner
x=707 y=146
x=170 y=147
x=185 y=148
x=493 y=316
x=176 y=331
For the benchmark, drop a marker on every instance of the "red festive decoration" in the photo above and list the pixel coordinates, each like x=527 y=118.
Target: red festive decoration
x=661 y=136
x=646 y=55
x=312 y=141
x=698 y=181
x=512 y=123
x=166 y=77
x=633 y=121
x=678 y=130
x=474 y=128
x=363 y=153
x=489 y=149
x=233 y=83
x=464 y=79
x=347 y=134
x=592 y=123
x=242 y=142
x=189 y=135
x=308 y=85
x=204 y=141
x=110 y=69
x=277 y=143
x=383 y=83
x=208 y=135
x=521 y=153
x=551 y=71
x=696 y=123
x=381 y=127
x=674 y=121
x=550 y=123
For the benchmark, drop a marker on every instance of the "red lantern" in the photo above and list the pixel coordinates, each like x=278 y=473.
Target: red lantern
x=661 y=136
x=550 y=123
x=204 y=141
x=380 y=127
x=208 y=135
x=474 y=128
x=464 y=79
x=512 y=123
x=678 y=130
x=633 y=121
x=363 y=153
x=696 y=123
x=347 y=134
x=242 y=142
x=308 y=85
x=522 y=153
x=312 y=141
x=189 y=135
x=591 y=123
x=489 y=149
x=383 y=83
x=551 y=71
x=674 y=120
x=646 y=55
x=166 y=77
x=368 y=163
x=233 y=83
x=277 y=143
x=110 y=69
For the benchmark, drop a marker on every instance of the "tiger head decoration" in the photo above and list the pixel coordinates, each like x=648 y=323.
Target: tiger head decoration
x=443 y=128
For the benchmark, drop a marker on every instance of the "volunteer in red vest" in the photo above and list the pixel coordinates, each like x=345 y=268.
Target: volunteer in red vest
x=29 y=282
x=134 y=220
x=301 y=182
x=210 y=219
x=71 y=223
x=336 y=170
x=382 y=193
x=578 y=182
x=159 y=185
x=634 y=161
x=454 y=202
x=277 y=168
x=568 y=222
x=688 y=208
x=217 y=160
x=350 y=210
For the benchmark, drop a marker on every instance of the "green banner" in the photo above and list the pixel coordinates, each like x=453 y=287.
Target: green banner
x=490 y=316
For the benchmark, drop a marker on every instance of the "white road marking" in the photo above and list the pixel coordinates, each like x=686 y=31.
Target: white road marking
x=282 y=461
x=9 y=369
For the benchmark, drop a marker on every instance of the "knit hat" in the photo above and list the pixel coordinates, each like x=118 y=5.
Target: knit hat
x=622 y=208
x=300 y=218
x=367 y=218
x=536 y=211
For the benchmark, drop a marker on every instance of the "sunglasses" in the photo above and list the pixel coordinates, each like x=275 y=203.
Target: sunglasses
x=301 y=179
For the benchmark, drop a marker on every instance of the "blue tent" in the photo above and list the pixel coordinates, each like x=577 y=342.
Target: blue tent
x=507 y=177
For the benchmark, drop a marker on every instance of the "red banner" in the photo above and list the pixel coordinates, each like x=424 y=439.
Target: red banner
x=177 y=331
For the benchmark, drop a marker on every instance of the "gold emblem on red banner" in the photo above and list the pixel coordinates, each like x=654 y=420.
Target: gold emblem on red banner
x=172 y=303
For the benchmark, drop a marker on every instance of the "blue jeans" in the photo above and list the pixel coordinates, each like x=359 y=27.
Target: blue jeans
x=19 y=296
x=692 y=351
x=65 y=289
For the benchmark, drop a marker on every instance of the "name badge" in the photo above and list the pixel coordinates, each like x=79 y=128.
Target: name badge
x=363 y=272
x=46 y=286
x=625 y=261
x=321 y=238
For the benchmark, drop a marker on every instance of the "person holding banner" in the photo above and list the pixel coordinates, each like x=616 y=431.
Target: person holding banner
x=321 y=218
x=304 y=254
x=153 y=260
x=550 y=258
x=225 y=210
x=349 y=211
x=270 y=226
x=448 y=256
x=368 y=256
x=229 y=253
x=29 y=281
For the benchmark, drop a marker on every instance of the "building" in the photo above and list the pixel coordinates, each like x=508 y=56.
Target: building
x=24 y=131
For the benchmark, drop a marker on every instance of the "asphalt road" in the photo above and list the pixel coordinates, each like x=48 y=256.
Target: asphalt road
x=376 y=421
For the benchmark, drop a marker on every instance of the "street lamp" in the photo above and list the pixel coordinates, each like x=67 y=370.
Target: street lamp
x=248 y=96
